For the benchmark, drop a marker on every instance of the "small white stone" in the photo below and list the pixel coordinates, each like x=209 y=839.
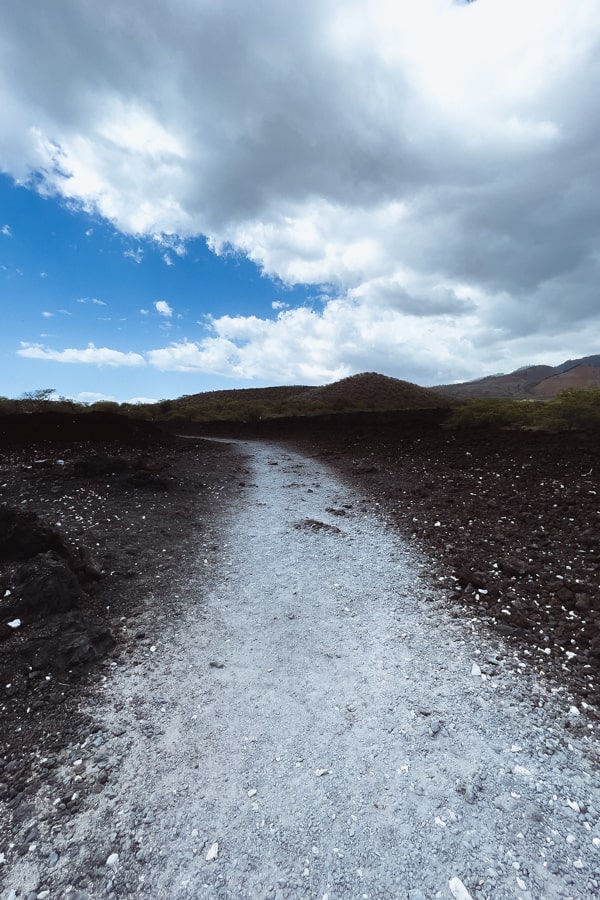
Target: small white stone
x=320 y=772
x=578 y=864
x=521 y=770
x=458 y=890
x=113 y=860
x=574 y=805
x=252 y=792
x=475 y=670
x=213 y=852
x=521 y=884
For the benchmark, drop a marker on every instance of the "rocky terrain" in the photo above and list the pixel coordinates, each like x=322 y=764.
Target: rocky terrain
x=94 y=536
x=89 y=531
x=513 y=520
x=308 y=719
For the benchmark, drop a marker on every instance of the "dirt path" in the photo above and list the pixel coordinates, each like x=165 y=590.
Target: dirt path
x=314 y=724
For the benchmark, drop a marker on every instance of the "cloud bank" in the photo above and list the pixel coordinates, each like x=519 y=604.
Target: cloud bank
x=433 y=164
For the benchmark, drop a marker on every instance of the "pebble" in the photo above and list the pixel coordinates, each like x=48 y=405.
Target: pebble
x=458 y=890
x=213 y=852
x=113 y=860
x=434 y=726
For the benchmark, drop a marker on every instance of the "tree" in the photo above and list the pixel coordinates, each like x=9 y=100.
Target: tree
x=34 y=401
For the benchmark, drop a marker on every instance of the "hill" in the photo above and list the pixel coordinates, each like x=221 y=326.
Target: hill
x=529 y=383
x=368 y=391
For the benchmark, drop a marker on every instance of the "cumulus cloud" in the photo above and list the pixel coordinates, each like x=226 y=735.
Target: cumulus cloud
x=434 y=163
x=163 y=308
x=100 y=356
x=6 y=230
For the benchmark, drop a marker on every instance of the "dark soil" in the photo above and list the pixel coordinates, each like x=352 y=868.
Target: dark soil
x=512 y=520
x=89 y=529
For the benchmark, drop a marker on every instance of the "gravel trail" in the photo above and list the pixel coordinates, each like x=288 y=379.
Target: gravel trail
x=315 y=724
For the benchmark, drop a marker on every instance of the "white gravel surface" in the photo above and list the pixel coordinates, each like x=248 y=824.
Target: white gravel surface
x=315 y=724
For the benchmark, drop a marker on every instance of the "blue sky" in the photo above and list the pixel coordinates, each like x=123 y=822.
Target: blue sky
x=198 y=195
x=69 y=278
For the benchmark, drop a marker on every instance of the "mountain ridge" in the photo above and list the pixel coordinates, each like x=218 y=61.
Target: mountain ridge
x=535 y=382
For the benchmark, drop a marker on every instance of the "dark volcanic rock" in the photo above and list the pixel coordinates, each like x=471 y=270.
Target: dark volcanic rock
x=46 y=584
x=24 y=534
x=82 y=643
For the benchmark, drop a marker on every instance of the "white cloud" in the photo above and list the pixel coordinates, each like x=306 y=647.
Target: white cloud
x=279 y=304
x=350 y=334
x=167 y=260
x=136 y=255
x=91 y=300
x=163 y=308
x=47 y=315
x=307 y=346
x=144 y=312
x=434 y=164
x=6 y=231
x=93 y=397
x=100 y=356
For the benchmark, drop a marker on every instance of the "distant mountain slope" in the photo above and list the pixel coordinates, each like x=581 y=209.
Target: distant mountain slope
x=531 y=382
x=577 y=377
x=593 y=361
